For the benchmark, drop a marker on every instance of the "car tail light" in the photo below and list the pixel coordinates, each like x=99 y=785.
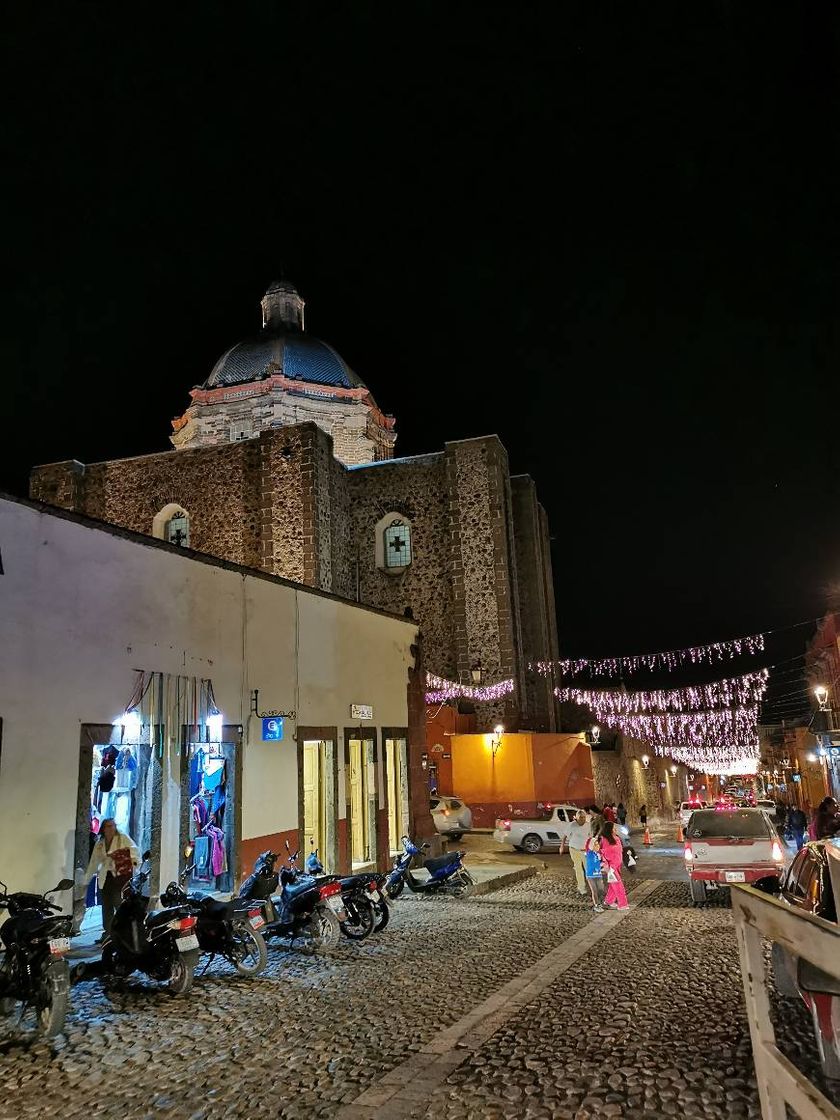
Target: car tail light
x=255 y=913
x=329 y=890
x=778 y=854
x=688 y=854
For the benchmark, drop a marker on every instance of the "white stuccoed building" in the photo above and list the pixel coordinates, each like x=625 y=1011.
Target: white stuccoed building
x=95 y=620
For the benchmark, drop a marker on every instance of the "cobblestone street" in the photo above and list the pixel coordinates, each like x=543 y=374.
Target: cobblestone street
x=526 y=1003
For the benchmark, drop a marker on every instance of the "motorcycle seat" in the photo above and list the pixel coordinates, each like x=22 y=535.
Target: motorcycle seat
x=161 y=917
x=298 y=887
x=435 y=863
x=213 y=908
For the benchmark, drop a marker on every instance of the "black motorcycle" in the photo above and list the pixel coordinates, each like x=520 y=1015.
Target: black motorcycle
x=362 y=899
x=34 y=972
x=160 y=943
x=303 y=908
x=225 y=929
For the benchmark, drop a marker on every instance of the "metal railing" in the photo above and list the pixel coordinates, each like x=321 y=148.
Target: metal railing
x=759 y=916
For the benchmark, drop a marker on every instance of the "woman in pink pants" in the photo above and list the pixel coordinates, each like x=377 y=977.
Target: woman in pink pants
x=612 y=853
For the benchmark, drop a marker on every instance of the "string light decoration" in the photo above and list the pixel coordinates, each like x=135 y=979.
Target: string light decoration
x=669 y=659
x=715 y=760
x=724 y=727
x=439 y=690
x=727 y=693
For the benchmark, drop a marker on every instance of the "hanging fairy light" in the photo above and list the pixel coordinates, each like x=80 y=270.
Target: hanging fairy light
x=727 y=693
x=709 y=654
x=729 y=726
x=438 y=690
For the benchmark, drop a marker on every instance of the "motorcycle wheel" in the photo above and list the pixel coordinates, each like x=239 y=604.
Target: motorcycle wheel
x=251 y=955
x=462 y=884
x=360 y=919
x=183 y=972
x=324 y=930
x=53 y=1011
x=395 y=889
x=383 y=915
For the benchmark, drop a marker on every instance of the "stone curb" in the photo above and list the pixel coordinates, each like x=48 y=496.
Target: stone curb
x=506 y=879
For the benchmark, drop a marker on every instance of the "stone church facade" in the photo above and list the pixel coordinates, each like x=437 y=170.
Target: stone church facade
x=284 y=462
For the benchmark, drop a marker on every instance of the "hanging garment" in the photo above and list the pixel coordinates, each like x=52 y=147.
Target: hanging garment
x=126 y=770
x=201 y=854
x=200 y=812
x=218 y=860
x=197 y=770
x=121 y=809
x=214 y=773
x=109 y=756
x=217 y=806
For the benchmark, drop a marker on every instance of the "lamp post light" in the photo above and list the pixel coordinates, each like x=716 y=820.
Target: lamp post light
x=496 y=739
x=645 y=761
x=475 y=673
x=596 y=734
x=821 y=693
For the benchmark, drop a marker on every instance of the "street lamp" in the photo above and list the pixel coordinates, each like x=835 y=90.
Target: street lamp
x=645 y=761
x=821 y=693
x=496 y=738
x=673 y=768
x=596 y=734
x=475 y=673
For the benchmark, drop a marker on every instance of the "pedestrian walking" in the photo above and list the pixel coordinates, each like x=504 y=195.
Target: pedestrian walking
x=621 y=813
x=797 y=823
x=612 y=854
x=113 y=860
x=596 y=819
x=643 y=816
x=609 y=812
x=579 y=833
x=594 y=871
x=826 y=819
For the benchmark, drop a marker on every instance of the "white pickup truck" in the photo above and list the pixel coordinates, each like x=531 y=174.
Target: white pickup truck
x=534 y=836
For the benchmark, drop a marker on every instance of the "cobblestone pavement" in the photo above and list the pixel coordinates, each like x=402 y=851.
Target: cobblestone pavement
x=647 y=1022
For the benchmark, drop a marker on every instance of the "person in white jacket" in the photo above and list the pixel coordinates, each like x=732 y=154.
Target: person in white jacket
x=111 y=871
x=579 y=833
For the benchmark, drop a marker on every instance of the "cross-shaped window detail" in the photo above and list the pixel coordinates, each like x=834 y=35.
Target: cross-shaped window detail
x=397 y=545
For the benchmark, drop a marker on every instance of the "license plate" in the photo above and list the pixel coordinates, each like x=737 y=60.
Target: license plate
x=59 y=945
x=257 y=922
x=336 y=904
x=735 y=877
x=186 y=943
x=375 y=895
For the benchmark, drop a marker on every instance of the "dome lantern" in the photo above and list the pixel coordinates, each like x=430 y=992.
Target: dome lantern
x=282 y=307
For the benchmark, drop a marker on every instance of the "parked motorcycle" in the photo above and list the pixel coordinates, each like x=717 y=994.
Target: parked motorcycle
x=304 y=907
x=34 y=972
x=161 y=943
x=225 y=929
x=362 y=899
x=446 y=873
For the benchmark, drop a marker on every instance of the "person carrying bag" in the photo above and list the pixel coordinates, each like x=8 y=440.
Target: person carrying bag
x=594 y=872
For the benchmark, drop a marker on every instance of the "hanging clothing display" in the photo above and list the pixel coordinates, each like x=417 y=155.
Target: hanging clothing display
x=208 y=778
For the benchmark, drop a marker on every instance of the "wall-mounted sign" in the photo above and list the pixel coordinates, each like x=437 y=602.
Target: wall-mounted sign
x=361 y=711
x=445 y=755
x=437 y=748
x=272 y=729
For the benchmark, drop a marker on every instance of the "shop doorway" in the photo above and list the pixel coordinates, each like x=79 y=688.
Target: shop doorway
x=209 y=804
x=319 y=800
x=396 y=782
x=120 y=778
x=361 y=770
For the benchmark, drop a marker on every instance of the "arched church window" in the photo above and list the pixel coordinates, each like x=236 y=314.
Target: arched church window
x=172 y=524
x=397 y=545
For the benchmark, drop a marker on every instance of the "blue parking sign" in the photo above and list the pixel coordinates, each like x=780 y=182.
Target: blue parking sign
x=272 y=729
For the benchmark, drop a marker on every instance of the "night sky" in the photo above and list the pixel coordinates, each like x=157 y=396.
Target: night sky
x=608 y=234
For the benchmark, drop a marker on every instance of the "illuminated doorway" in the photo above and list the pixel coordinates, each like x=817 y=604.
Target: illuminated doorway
x=362 y=790
x=319 y=799
x=396 y=781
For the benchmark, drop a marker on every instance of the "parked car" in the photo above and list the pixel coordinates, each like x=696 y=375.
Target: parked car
x=451 y=816
x=525 y=834
x=724 y=846
x=808 y=887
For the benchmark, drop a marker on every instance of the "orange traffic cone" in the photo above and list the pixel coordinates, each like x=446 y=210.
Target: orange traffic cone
x=647 y=840
x=680 y=833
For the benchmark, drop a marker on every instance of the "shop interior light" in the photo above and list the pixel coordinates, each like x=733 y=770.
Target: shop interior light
x=214 y=727
x=130 y=723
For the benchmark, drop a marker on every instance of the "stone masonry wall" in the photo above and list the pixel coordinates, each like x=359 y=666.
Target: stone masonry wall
x=535 y=611
x=417 y=489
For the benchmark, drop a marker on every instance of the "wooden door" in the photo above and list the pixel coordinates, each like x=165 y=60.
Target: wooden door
x=357 y=802
x=312 y=793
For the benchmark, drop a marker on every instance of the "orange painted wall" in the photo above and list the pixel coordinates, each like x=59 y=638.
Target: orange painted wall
x=442 y=723
x=528 y=770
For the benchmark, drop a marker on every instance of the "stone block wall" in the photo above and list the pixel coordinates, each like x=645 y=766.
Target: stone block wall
x=620 y=776
x=536 y=601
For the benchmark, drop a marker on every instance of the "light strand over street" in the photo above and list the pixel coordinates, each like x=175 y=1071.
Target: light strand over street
x=727 y=693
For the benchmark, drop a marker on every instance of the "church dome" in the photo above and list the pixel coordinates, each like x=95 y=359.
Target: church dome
x=282 y=347
x=294 y=355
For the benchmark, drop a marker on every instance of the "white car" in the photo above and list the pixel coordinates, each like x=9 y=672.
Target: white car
x=533 y=836
x=451 y=816
x=725 y=846
x=688 y=807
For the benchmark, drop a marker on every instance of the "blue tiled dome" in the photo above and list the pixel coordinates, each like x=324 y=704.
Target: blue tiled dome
x=295 y=355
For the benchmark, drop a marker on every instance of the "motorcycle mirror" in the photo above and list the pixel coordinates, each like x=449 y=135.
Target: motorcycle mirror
x=288 y=849
x=147 y=855
x=63 y=885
